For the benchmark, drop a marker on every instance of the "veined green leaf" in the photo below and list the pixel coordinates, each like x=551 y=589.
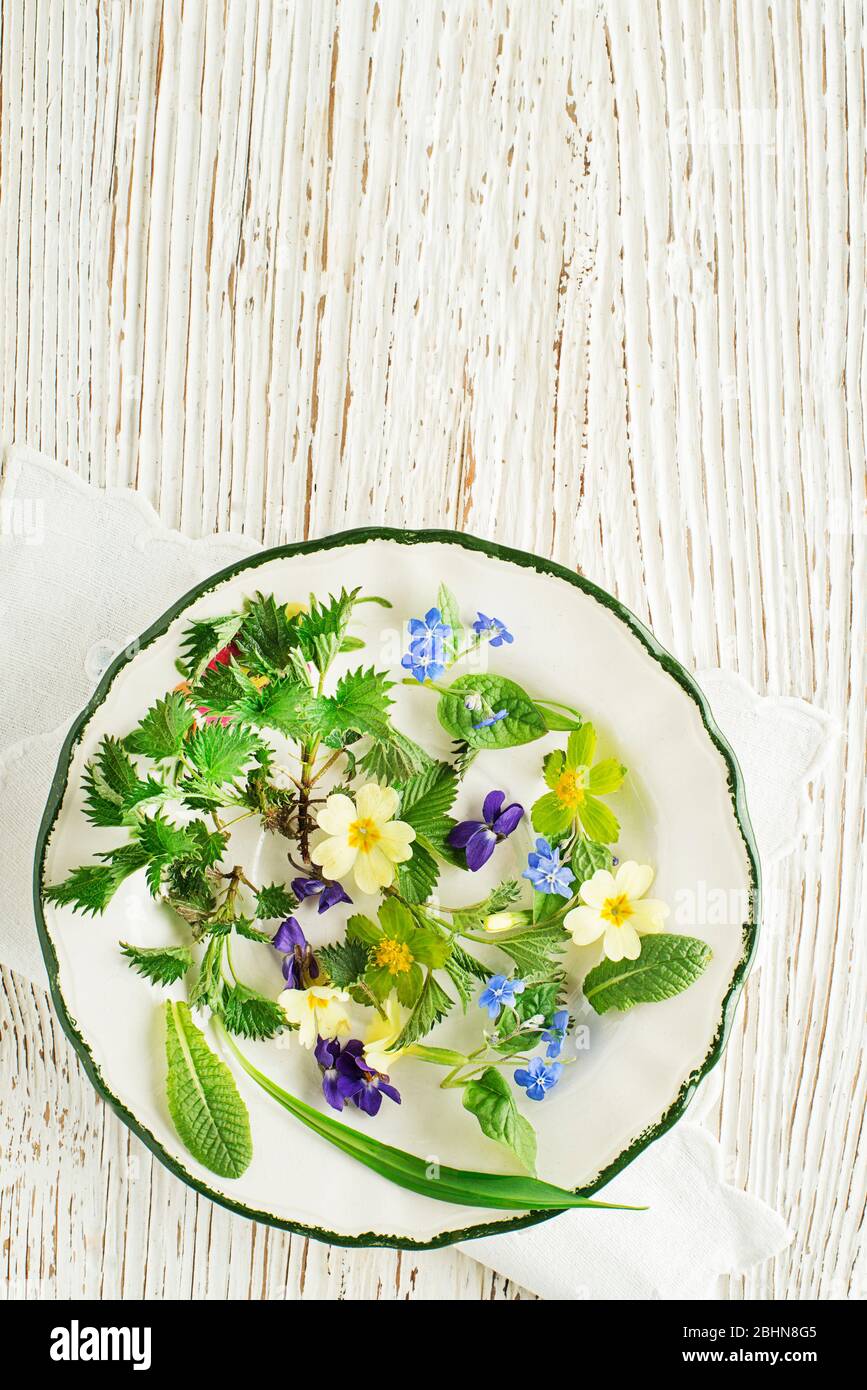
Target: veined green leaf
x=430 y=1009
x=523 y=721
x=162 y=965
x=250 y=1014
x=203 y=639
x=162 y=732
x=274 y=900
x=267 y=637
x=668 y=964
x=451 y=615
x=359 y=705
x=207 y=1111
x=345 y=962
x=490 y=1099
x=587 y=857
x=394 y=759
x=221 y=753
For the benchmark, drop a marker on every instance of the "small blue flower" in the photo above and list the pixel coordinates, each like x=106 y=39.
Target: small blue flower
x=538 y=1078
x=545 y=871
x=492 y=628
x=426 y=655
x=499 y=993
x=556 y=1033
x=492 y=719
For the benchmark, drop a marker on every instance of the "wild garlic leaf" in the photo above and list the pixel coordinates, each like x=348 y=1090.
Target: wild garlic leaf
x=587 y=857
x=203 y=639
x=359 y=705
x=162 y=732
x=489 y=695
x=274 y=900
x=206 y=1108
x=490 y=1099
x=668 y=964
x=451 y=616
x=430 y=1009
x=344 y=962
x=220 y=753
x=250 y=1014
x=162 y=965
x=267 y=636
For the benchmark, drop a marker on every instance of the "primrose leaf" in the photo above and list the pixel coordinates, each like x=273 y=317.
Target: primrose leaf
x=206 y=1108
x=668 y=964
x=162 y=965
x=162 y=732
x=490 y=1099
x=523 y=721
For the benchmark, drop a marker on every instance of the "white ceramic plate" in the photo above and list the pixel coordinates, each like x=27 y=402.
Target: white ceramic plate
x=682 y=809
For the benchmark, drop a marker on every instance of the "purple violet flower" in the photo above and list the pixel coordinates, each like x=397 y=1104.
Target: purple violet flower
x=545 y=871
x=480 y=837
x=538 y=1077
x=494 y=629
x=329 y=894
x=339 y=1082
x=298 y=958
x=499 y=993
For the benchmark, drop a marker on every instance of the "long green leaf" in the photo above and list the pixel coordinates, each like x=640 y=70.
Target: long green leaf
x=499 y=1190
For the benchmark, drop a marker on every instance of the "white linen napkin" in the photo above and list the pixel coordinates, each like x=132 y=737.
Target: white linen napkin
x=83 y=572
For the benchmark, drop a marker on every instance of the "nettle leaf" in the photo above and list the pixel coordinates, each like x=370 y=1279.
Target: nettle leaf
x=161 y=842
x=344 y=962
x=163 y=965
x=207 y=992
x=285 y=705
x=206 y=1108
x=451 y=615
x=220 y=753
x=465 y=973
x=244 y=927
x=417 y=876
x=668 y=964
x=108 y=780
x=536 y=952
x=91 y=887
x=203 y=639
x=267 y=636
x=322 y=629
x=223 y=689
x=427 y=797
x=587 y=857
x=394 y=759
x=490 y=1099
x=430 y=1009
x=523 y=722
x=359 y=705
x=162 y=732
x=150 y=792
x=250 y=1014
x=274 y=900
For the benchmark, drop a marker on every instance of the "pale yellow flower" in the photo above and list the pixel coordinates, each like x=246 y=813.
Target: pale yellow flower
x=318 y=1011
x=363 y=837
x=614 y=907
x=380 y=1036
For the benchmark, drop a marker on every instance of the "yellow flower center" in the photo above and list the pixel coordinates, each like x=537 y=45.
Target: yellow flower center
x=569 y=790
x=394 y=955
x=315 y=1001
x=617 y=910
x=363 y=834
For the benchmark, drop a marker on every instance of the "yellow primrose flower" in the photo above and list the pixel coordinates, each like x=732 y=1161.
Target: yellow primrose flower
x=318 y=1011
x=380 y=1036
x=614 y=907
x=362 y=836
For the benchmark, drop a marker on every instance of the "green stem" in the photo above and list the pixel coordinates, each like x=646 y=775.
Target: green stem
x=497 y=1190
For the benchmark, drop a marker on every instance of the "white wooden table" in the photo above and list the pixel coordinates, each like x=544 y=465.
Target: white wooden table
x=587 y=279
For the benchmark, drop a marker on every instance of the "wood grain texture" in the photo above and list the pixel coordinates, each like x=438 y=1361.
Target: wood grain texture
x=588 y=279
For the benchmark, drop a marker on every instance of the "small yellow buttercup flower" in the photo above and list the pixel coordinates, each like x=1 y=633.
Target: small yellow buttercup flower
x=614 y=907
x=318 y=1011
x=362 y=836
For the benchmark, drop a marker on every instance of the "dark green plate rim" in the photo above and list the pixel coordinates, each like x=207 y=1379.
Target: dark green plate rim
x=500 y=552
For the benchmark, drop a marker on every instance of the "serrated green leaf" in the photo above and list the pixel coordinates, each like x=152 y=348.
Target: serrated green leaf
x=587 y=857
x=427 y=797
x=206 y=1108
x=668 y=964
x=163 y=965
x=321 y=630
x=250 y=1014
x=244 y=927
x=220 y=753
x=162 y=732
x=498 y=900
x=599 y=823
x=207 y=992
x=550 y=817
x=91 y=887
x=465 y=973
x=275 y=900
x=267 y=636
x=394 y=759
x=430 y=1009
x=451 y=615
x=223 y=689
x=359 y=705
x=523 y=722
x=417 y=876
x=203 y=639
x=344 y=962
x=490 y=1099
x=285 y=705
x=535 y=952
